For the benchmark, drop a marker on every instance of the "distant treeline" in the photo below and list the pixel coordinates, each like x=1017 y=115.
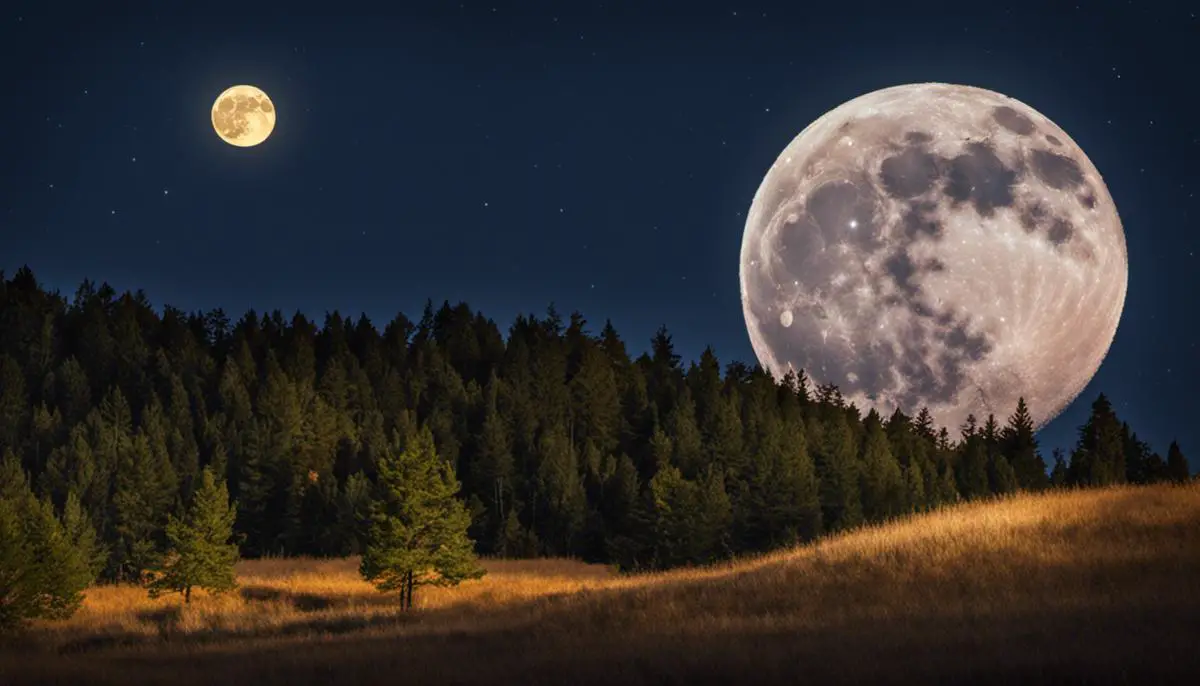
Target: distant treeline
x=564 y=444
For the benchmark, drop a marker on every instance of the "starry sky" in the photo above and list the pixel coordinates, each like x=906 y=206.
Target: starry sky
x=600 y=156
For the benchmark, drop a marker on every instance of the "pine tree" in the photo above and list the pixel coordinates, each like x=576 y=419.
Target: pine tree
x=674 y=511
x=973 y=467
x=14 y=404
x=1020 y=447
x=1099 y=455
x=882 y=482
x=18 y=584
x=493 y=473
x=1001 y=476
x=79 y=533
x=924 y=424
x=947 y=487
x=1058 y=475
x=837 y=472
x=914 y=488
x=1177 y=466
x=724 y=441
x=714 y=513
x=687 y=443
x=595 y=400
x=1156 y=468
x=199 y=554
x=144 y=492
x=619 y=505
x=353 y=512
x=418 y=533
x=42 y=572
x=561 y=494
x=796 y=500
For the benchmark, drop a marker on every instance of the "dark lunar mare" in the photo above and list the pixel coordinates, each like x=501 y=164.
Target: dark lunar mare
x=804 y=253
x=920 y=221
x=1060 y=232
x=910 y=173
x=1058 y=171
x=980 y=177
x=1013 y=120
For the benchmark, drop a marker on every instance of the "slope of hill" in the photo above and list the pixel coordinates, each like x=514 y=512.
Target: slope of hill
x=1069 y=587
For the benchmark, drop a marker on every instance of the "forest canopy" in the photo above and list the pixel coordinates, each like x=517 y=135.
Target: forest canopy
x=565 y=442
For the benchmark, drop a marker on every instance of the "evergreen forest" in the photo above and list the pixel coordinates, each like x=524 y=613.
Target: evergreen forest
x=564 y=440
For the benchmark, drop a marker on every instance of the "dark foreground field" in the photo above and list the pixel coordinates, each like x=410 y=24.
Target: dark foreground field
x=1075 y=587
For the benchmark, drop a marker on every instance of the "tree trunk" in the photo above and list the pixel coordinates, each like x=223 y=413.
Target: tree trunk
x=187 y=595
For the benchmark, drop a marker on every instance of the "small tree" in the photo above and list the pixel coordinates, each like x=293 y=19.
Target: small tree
x=1177 y=466
x=42 y=574
x=81 y=535
x=418 y=531
x=1058 y=475
x=199 y=553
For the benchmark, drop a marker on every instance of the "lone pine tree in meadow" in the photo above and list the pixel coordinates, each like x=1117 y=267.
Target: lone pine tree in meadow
x=418 y=530
x=200 y=554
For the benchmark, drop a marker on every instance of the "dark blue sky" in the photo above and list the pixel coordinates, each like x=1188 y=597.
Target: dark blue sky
x=598 y=155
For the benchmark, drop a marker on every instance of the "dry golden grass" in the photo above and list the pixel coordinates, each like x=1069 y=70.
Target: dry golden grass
x=291 y=597
x=1075 y=587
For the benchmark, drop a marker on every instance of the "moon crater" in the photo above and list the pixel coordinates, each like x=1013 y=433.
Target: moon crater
x=938 y=246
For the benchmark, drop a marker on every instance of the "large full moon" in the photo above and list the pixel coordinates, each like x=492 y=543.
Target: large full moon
x=243 y=116
x=935 y=245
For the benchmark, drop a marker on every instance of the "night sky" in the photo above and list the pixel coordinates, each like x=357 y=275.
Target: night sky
x=601 y=156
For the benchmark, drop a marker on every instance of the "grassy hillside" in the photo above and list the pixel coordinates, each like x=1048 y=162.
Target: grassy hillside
x=1077 y=587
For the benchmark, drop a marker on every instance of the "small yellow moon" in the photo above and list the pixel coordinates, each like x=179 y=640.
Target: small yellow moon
x=243 y=116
